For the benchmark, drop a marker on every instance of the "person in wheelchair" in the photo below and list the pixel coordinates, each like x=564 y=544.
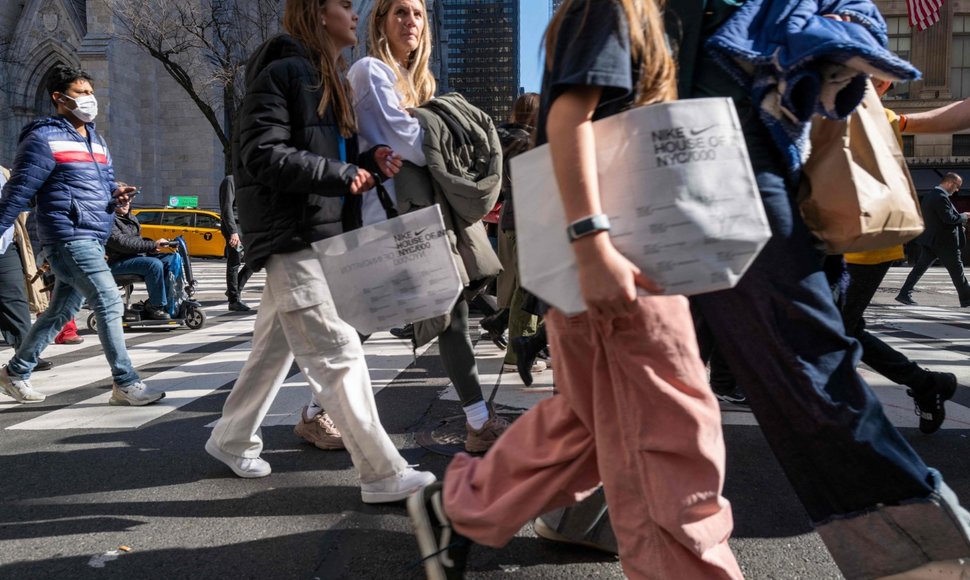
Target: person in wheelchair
x=129 y=253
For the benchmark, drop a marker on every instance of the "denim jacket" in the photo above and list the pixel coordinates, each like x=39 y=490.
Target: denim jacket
x=797 y=63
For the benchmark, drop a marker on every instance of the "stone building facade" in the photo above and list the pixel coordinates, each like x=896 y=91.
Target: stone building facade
x=942 y=54
x=158 y=138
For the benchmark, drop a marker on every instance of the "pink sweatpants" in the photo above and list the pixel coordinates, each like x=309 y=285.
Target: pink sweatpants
x=635 y=412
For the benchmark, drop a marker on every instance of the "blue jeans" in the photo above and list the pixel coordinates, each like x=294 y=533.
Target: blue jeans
x=155 y=270
x=81 y=273
x=877 y=506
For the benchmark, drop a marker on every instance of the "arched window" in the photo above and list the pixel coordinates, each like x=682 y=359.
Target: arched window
x=43 y=105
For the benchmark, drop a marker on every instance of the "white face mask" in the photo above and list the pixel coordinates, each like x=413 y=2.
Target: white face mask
x=85 y=108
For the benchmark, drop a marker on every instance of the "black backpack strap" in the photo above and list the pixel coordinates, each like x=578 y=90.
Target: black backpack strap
x=386 y=202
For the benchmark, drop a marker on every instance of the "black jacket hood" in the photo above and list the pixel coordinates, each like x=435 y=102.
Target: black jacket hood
x=276 y=48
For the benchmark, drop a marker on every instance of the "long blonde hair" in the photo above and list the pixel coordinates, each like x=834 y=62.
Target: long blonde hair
x=302 y=20
x=648 y=46
x=415 y=84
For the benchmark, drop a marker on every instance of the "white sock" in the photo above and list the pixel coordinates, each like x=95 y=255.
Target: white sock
x=312 y=409
x=476 y=414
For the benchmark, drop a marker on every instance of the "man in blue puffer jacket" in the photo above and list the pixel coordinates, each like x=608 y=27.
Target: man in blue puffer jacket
x=66 y=166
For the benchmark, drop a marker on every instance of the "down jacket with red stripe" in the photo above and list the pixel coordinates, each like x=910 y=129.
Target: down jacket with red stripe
x=71 y=178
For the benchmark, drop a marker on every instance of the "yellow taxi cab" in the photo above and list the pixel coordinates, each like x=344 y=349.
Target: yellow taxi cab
x=200 y=228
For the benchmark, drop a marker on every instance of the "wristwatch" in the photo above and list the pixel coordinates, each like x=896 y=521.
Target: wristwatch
x=587 y=226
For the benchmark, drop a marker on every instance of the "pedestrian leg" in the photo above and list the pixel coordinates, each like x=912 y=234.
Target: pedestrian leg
x=269 y=361
x=954 y=266
x=82 y=265
x=634 y=411
x=14 y=308
x=330 y=355
x=64 y=304
x=926 y=258
x=785 y=342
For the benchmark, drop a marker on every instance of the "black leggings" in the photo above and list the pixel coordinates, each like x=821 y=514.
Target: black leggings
x=458 y=356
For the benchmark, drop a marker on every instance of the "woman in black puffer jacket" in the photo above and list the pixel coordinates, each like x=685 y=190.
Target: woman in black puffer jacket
x=297 y=179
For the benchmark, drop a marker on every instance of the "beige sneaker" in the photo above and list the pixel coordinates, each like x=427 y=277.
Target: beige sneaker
x=319 y=430
x=482 y=440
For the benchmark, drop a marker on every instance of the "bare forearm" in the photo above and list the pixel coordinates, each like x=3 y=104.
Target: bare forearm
x=573 y=148
x=947 y=119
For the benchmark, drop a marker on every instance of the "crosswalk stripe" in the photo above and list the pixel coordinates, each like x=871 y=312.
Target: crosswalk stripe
x=95 y=369
x=387 y=357
x=187 y=382
x=182 y=385
x=921 y=332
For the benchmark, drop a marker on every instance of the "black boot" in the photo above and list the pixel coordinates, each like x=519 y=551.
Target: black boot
x=527 y=348
x=906 y=298
x=936 y=389
x=495 y=325
x=156 y=312
x=405 y=332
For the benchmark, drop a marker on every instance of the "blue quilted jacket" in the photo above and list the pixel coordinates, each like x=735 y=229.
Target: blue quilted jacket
x=798 y=63
x=70 y=177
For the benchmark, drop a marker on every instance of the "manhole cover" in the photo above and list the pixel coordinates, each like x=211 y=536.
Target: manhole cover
x=446 y=436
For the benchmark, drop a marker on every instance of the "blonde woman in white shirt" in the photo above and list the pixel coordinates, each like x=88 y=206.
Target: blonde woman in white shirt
x=394 y=78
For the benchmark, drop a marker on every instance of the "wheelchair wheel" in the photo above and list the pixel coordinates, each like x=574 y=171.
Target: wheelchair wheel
x=92 y=323
x=194 y=319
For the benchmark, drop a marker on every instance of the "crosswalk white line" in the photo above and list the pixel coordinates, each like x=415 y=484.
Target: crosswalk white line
x=95 y=368
x=388 y=357
x=182 y=385
x=189 y=381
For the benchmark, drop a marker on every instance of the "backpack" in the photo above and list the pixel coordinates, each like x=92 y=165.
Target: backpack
x=515 y=140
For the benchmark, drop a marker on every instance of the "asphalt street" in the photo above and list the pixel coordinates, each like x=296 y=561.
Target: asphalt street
x=91 y=491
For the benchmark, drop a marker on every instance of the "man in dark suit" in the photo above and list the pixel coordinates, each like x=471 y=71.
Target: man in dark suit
x=237 y=272
x=942 y=239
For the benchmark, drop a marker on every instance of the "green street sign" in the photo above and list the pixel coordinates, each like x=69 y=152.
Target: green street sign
x=183 y=201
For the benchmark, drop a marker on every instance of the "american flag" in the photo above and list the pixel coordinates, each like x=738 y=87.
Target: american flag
x=923 y=13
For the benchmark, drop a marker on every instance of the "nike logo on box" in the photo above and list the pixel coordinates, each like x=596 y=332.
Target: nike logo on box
x=696 y=132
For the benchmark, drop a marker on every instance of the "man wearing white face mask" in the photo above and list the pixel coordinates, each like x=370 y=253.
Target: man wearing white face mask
x=63 y=163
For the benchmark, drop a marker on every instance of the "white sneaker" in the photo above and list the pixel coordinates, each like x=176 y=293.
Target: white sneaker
x=20 y=389
x=945 y=570
x=246 y=467
x=396 y=487
x=537 y=367
x=136 y=394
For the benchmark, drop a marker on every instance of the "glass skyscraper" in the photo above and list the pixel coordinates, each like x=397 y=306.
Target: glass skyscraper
x=481 y=53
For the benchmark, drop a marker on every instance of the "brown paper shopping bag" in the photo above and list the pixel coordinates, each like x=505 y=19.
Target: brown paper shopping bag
x=856 y=192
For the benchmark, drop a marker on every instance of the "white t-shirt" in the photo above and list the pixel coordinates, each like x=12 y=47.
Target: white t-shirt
x=382 y=120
